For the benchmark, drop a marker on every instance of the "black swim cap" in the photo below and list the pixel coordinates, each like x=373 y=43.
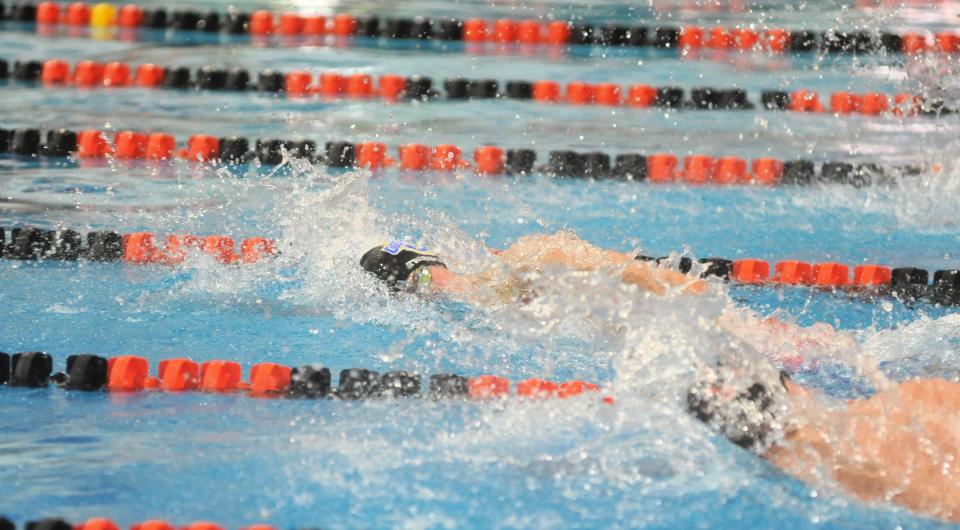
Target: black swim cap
x=749 y=417
x=393 y=262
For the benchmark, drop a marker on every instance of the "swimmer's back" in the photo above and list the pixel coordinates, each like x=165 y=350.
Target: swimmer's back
x=913 y=432
x=916 y=396
x=533 y=252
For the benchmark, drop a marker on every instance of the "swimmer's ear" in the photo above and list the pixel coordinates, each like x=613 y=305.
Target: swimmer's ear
x=793 y=389
x=784 y=378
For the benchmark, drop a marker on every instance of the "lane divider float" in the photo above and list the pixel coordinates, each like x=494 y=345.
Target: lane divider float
x=908 y=284
x=101 y=523
x=333 y=85
x=487 y=159
x=130 y=373
x=506 y=31
x=32 y=243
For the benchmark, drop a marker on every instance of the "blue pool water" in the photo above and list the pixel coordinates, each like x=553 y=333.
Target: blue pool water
x=641 y=463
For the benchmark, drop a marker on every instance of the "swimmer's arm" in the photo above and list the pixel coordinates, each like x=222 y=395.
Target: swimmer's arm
x=884 y=468
x=642 y=274
x=812 y=450
x=812 y=456
x=657 y=280
x=890 y=447
x=566 y=249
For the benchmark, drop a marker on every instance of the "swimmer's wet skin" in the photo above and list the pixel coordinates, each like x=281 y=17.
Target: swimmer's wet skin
x=898 y=446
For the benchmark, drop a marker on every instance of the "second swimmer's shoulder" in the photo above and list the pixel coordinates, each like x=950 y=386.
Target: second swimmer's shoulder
x=935 y=390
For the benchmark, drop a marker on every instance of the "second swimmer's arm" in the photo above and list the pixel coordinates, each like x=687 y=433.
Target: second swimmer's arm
x=657 y=280
x=895 y=446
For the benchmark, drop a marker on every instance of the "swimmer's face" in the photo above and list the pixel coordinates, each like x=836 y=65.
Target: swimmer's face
x=432 y=279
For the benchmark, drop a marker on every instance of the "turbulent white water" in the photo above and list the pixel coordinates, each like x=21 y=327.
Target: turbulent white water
x=581 y=317
x=645 y=350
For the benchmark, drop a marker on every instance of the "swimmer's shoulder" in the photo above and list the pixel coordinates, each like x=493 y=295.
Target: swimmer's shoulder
x=932 y=392
x=912 y=397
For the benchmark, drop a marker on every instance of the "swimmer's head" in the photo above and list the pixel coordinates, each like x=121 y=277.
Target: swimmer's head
x=748 y=414
x=394 y=263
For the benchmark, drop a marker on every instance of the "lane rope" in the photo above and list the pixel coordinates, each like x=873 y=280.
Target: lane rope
x=100 y=523
x=131 y=373
x=333 y=85
x=48 y=16
x=29 y=243
x=487 y=159
x=906 y=283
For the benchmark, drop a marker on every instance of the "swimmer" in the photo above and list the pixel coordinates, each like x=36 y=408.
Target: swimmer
x=406 y=268
x=902 y=445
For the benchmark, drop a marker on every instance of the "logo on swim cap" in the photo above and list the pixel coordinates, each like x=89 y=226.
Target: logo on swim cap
x=396 y=247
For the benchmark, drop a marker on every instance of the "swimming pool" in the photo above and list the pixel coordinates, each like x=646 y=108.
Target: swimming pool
x=642 y=462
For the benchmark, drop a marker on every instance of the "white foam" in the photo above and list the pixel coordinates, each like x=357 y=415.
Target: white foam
x=927 y=346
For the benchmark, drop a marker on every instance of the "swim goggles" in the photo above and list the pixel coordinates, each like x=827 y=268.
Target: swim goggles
x=420 y=278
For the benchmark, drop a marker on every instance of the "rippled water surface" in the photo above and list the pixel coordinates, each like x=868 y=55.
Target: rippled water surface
x=640 y=463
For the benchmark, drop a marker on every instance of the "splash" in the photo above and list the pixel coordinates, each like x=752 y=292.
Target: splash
x=929 y=200
x=648 y=349
x=578 y=321
x=796 y=348
x=928 y=347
